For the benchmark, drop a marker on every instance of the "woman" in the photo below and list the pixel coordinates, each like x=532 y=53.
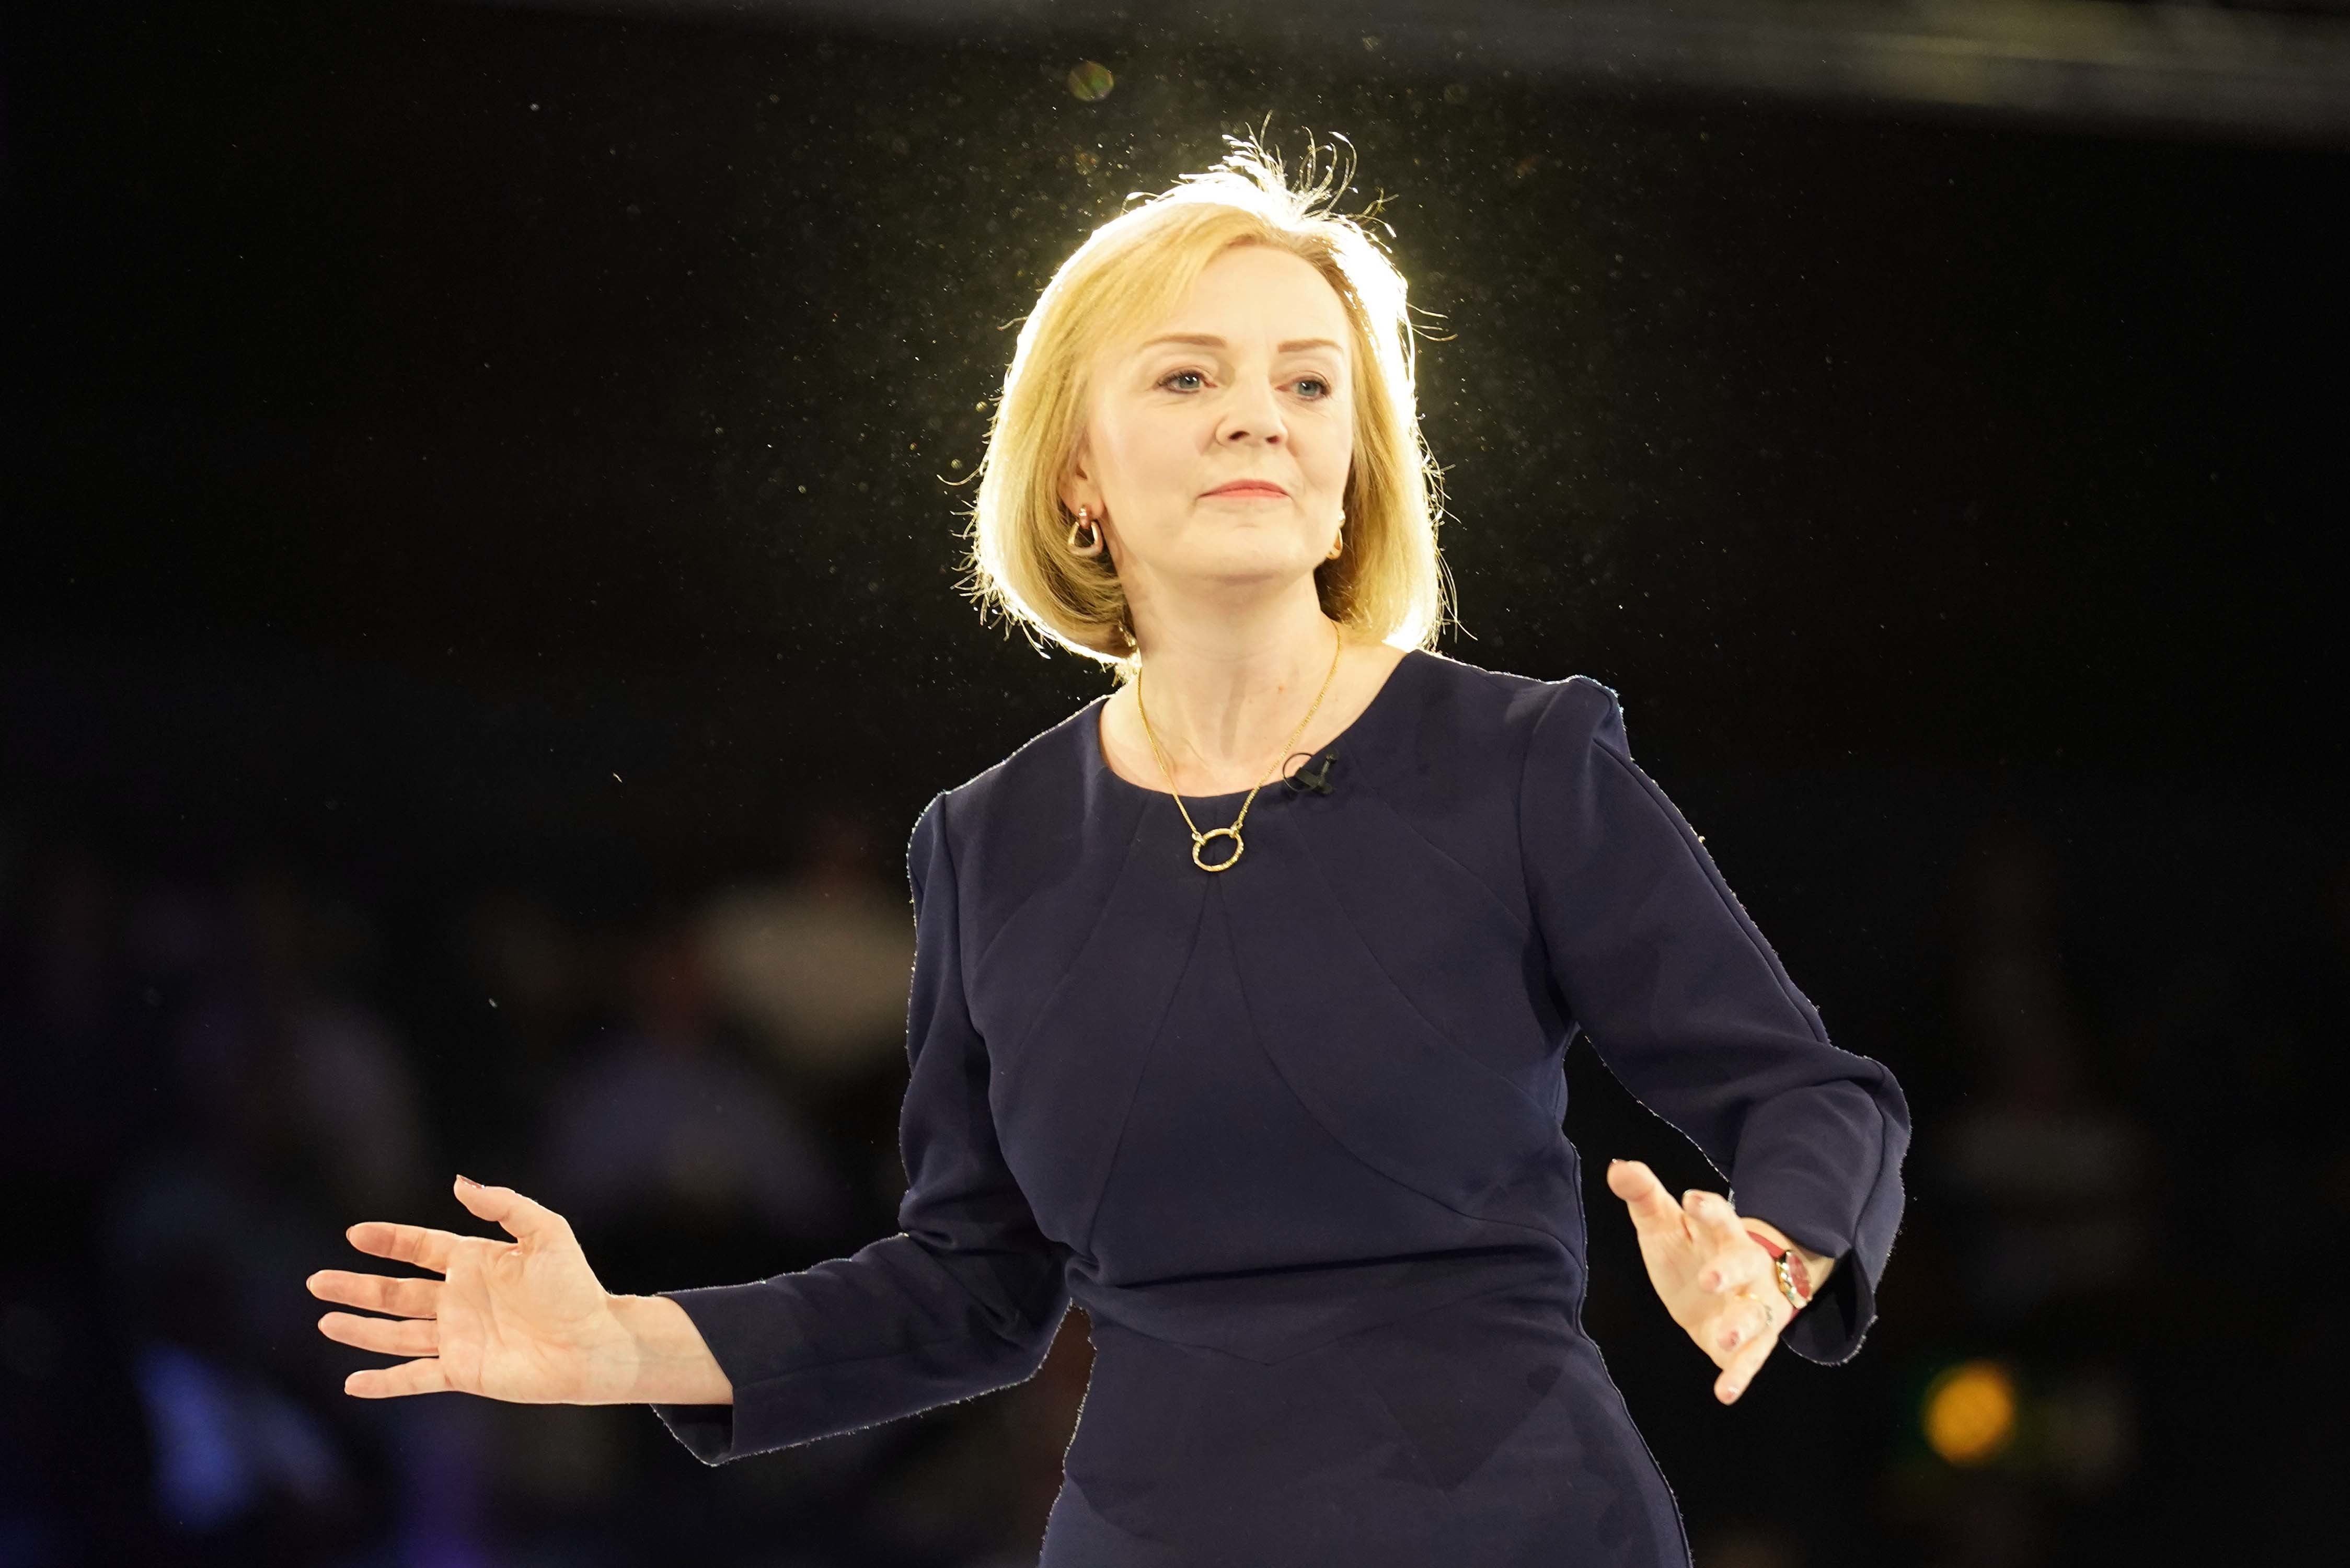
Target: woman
x=1241 y=998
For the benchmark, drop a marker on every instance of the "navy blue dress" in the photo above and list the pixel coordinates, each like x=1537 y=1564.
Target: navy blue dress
x=1291 y=1134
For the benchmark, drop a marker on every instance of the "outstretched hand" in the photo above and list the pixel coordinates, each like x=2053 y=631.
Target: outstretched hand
x=1712 y=1278
x=522 y=1320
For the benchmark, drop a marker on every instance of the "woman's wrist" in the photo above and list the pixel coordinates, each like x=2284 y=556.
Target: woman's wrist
x=1815 y=1266
x=673 y=1364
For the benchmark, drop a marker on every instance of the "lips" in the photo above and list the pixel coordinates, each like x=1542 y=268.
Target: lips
x=1249 y=487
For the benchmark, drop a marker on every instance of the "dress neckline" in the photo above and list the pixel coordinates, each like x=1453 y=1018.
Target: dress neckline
x=1098 y=760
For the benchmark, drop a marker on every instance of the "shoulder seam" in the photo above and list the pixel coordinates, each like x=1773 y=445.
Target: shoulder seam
x=942 y=803
x=1518 y=806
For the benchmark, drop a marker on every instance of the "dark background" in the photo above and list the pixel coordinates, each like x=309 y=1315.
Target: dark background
x=461 y=461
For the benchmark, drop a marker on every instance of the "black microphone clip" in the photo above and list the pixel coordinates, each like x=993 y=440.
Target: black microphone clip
x=1305 y=779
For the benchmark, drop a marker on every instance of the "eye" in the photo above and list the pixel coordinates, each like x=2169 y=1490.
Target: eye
x=1313 y=381
x=1174 y=374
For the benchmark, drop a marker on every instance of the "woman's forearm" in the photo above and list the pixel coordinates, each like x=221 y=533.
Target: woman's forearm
x=674 y=1365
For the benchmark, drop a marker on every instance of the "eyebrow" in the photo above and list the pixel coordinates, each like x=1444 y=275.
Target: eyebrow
x=1205 y=342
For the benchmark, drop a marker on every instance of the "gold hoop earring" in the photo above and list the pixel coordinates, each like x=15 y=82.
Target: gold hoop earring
x=1093 y=547
x=1337 y=544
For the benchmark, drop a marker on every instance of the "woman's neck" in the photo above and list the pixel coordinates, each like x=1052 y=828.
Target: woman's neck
x=1223 y=689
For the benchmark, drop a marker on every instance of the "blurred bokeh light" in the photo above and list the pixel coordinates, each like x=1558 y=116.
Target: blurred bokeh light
x=1969 y=1412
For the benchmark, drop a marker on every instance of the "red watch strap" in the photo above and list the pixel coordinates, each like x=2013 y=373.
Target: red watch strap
x=1795 y=1262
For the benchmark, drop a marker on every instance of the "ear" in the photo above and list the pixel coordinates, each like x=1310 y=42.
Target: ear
x=1077 y=487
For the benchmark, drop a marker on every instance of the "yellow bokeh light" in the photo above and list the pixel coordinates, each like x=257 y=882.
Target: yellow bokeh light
x=1969 y=1412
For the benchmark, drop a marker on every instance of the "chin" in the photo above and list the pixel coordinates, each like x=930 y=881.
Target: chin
x=1249 y=568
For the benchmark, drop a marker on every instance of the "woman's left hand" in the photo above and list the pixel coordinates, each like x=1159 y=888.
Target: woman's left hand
x=1714 y=1281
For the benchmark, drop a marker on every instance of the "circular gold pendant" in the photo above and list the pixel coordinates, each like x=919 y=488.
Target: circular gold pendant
x=1200 y=842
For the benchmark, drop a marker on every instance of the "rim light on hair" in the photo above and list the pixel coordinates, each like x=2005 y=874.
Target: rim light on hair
x=1390 y=583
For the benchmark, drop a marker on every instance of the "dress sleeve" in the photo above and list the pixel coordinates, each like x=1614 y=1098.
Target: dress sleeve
x=1689 y=1006
x=965 y=1299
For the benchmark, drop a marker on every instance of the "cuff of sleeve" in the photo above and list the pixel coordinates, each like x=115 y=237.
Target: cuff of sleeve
x=728 y=1318
x=1830 y=1328
x=706 y=1430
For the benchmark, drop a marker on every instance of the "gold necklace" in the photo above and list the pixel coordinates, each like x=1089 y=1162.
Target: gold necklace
x=1200 y=839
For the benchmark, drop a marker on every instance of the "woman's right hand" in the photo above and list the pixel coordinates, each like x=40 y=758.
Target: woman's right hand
x=524 y=1320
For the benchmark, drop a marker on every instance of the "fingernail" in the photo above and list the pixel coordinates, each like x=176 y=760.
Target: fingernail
x=469 y=1181
x=1614 y=1163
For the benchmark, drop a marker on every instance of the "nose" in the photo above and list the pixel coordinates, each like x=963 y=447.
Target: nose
x=1253 y=413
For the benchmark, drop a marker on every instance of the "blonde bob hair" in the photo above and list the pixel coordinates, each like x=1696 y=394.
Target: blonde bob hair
x=1389 y=584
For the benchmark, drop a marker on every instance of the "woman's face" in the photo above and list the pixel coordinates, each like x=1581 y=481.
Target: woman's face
x=1249 y=381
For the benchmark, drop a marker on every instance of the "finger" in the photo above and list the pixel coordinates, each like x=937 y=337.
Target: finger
x=391 y=1382
x=427 y=1249
x=376 y=1292
x=1715 y=1226
x=1712 y=1216
x=1733 y=1265
x=385 y=1336
x=523 y=1219
x=1741 y=1319
x=1652 y=1206
x=1742 y=1366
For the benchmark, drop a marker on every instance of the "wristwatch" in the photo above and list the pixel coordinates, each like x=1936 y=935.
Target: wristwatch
x=1794 y=1280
